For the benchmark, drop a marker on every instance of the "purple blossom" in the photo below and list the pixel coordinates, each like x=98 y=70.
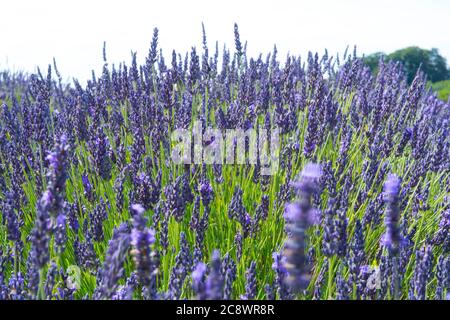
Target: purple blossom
x=87 y=188
x=96 y=218
x=40 y=235
x=206 y=193
x=198 y=280
x=250 y=286
x=57 y=175
x=60 y=233
x=215 y=281
x=298 y=217
x=11 y=218
x=113 y=266
x=392 y=238
x=142 y=238
x=422 y=273
x=357 y=251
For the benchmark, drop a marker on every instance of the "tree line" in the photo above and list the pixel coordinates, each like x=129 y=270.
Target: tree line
x=430 y=62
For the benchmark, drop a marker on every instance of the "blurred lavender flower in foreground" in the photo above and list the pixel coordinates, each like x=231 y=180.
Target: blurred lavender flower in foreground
x=250 y=286
x=299 y=216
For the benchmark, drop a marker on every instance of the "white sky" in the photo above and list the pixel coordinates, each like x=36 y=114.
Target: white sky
x=33 y=32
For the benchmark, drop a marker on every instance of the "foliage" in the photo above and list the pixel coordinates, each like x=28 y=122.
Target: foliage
x=443 y=89
x=412 y=58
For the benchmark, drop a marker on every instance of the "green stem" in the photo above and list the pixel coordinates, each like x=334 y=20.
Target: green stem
x=41 y=290
x=330 y=277
x=395 y=278
x=16 y=260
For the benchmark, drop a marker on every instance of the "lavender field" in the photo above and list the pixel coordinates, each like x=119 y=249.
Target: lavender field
x=94 y=207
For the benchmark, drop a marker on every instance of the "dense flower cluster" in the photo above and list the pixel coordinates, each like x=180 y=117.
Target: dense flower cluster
x=92 y=207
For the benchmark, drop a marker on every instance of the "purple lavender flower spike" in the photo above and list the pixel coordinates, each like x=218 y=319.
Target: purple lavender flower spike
x=357 y=251
x=214 y=282
x=442 y=275
x=142 y=238
x=250 y=286
x=96 y=218
x=206 y=193
x=57 y=175
x=329 y=245
x=422 y=273
x=113 y=267
x=87 y=188
x=198 y=280
x=60 y=233
x=40 y=236
x=278 y=266
x=299 y=216
x=11 y=217
x=230 y=275
x=392 y=238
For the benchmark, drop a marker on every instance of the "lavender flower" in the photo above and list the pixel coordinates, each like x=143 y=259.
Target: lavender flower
x=11 y=218
x=198 y=280
x=278 y=266
x=142 y=239
x=174 y=202
x=87 y=188
x=357 y=251
x=72 y=216
x=16 y=287
x=57 y=175
x=238 y=243
x=442 y=236
x=40 y=235
x=442 y=274
x=329 y=245
x=342 y=288
x=299 y=217
x=262 y=211
x=230 y=275
x=237 y=211
x=320 y=281
x=206 y=193
x=340 y=233
x=164 y=233
x=183 y=265
x=250 y=287
x=50 y=281
x=96 y=217
x=100 y=156
x=422 y=273
x=263 y=208
x=85 y=254
x=60 y=233
x=392 y=238
x=113 y=267
x=214 y=282
x=359 y=124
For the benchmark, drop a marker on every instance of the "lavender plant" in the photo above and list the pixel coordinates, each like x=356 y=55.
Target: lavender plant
x=80 y=162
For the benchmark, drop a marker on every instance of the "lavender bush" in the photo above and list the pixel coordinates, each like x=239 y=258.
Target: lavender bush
x=93 y=207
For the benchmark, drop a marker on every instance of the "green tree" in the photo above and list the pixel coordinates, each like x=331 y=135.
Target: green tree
x=442 y=89
x=430 y=62
x=372 y=60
